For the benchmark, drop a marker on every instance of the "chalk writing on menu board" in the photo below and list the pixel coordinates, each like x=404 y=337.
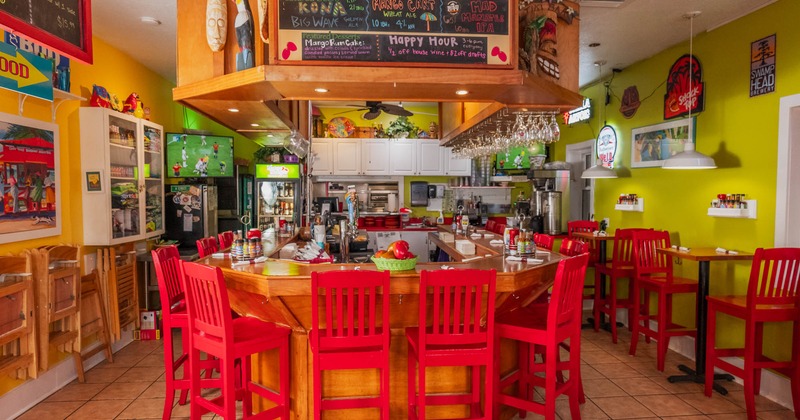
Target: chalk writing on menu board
x=394 y=48
x=489 y=17
x=60 y=18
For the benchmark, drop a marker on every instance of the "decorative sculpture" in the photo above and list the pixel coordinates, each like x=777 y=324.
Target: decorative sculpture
x=216 y=24
x=244 y=35
x=263 y=17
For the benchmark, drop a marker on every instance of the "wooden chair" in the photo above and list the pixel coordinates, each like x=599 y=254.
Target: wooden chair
x=653 y=274
x=18 y=350
x=490 y=225
x=546 y=328
x=544 y=241
x=773 y=295
x=573 y=247
x=215 y=332
x=500 y=228
x=453 y=301
x=620 y=266
x=207 y=246
x=116 y=267
x=350 y=330
x=93 y=321
x=584 y=226
x=225 y=239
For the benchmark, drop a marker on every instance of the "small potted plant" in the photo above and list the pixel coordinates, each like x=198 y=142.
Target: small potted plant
x=402 y=128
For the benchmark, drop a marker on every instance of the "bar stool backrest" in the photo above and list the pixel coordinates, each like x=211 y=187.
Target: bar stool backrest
x=774 y=277
x=543 y=240
x=623 y=247
x=573 y=247
x=225 y=239
x=166 y=262
x=456 y=299
x=582 y=226
x=207 y=246
x=648 y=262
x=566 y=301
x=350 y=309
x=209 y=309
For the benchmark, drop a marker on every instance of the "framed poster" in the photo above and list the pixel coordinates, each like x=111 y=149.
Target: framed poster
x=653 y=144
x=30 y=192
x=94 y=182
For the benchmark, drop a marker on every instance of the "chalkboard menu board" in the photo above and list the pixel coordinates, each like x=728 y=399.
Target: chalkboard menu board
x=395 y=31
x=64 y=25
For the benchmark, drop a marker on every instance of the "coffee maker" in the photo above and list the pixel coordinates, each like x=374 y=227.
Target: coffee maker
x=550 y=199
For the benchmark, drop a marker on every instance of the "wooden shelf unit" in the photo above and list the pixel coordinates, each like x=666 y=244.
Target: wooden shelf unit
x=18 y=354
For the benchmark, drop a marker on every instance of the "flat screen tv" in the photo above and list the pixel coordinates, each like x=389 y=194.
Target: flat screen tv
x=514 y=158
x=196 y=156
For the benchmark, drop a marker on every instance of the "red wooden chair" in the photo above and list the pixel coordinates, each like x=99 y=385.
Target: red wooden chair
x=546 y=327
x=544 y=241
x=584 y=226
x=225 y=239
x=173 y=315
x=456 y=299
x=207 y=246
x=773 y=295
x=490 y=225
x=620 y=266
x=350 y=330
x=215 y=332
x=573 y=247
x=500 y=228
x=653 y=274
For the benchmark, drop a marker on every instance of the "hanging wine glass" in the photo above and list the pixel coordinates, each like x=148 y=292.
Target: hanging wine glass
x=554 y=128
x=519 y=131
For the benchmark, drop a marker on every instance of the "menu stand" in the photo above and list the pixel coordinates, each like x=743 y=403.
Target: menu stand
x=703 y=256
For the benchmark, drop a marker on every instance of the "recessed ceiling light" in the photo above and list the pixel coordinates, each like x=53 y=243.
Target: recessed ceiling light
x=462 y=92
x=594 y=45
x=270 y=135
x=150 y=20
x=233 y=109
x=599 y=63
x=321 y=90
x=253 y=125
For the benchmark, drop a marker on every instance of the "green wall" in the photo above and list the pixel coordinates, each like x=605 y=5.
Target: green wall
x=739 y=132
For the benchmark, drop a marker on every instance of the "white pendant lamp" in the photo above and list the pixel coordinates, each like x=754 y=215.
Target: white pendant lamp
x=598 y=171
x=689 y=158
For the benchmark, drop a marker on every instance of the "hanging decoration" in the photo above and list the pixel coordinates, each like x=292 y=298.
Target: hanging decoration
x=679 y=101
x=630 y=102
x=607 y=146
x=263 y=20
x=539 y=21
x=244 y=35
x=216 y=24
x=762 y=66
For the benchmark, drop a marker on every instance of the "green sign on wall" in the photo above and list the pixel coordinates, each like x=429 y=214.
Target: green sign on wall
x=278 y=170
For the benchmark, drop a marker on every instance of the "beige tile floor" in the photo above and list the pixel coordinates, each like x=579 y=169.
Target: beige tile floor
x=617 y=386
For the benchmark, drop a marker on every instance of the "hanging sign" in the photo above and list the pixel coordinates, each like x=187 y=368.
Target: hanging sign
x=762 y=66
x=25 y=73
x=61 y=75
x=607 y=146
x=277 y=171
x=581 y=113
x=679 y=101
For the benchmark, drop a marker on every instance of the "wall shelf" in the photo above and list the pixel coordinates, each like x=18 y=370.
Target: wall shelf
x=748 y=213
x=59 y=97
x=631 y=207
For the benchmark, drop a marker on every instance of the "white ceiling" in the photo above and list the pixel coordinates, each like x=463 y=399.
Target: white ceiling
x=632 y=31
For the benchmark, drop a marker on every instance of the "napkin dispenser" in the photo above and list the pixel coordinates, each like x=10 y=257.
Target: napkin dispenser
x=419 y=193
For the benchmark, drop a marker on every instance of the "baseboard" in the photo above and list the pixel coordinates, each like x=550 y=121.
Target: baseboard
x=34 y=391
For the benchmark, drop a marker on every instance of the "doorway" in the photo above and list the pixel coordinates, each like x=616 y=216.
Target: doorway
x=580 y=156
x=787 y=194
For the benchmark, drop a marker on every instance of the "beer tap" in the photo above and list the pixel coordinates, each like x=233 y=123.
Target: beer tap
x=348 y=229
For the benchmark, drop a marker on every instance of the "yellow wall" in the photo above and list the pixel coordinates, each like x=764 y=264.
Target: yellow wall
x=740 y=132
x=120 y=75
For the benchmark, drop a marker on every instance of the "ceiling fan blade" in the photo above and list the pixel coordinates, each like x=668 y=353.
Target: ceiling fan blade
x=395 y=110
x=371 y=115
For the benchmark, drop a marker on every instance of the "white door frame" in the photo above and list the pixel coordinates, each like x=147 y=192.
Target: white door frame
x=787 y=191
x=575 y=153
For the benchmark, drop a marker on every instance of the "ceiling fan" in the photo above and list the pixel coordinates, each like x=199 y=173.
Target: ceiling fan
x=374 y=109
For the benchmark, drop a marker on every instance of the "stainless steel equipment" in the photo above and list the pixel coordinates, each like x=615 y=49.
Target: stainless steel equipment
x=554 y=208
x=552 y=212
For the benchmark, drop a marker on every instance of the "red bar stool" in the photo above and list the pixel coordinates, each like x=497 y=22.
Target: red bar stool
x=457 y=299
x=500 y=228
x=207 y=246
x=490 y=225
x=173 y=315
x=225 y=239
x=620 y=266
x=546 y=328
x=773 y=295
x=544 y=241
x=350 y=330
x=215 y=332
x=653 y=274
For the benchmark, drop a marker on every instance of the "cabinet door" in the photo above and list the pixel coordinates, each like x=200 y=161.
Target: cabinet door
x=346 y=157
x=455 y=166
x=403 y=157
x=375 y=157
x=323 y=162
x=429 y=158
x=152 y=136
x=418 y=244
x=126 y=185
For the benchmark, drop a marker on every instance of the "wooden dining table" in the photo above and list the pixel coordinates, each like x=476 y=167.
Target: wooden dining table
x=703 y=256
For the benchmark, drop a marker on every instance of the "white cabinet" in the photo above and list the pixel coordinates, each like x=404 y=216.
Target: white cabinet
x=454 y=166
x=375 y=157
x=403 y=160
x=429 y=157
x=347 y=157
x=323 y=159
x=122 y=166
x=418 y=244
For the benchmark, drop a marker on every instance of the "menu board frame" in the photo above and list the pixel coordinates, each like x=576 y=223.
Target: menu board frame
x=439 y=49
x=82 y=52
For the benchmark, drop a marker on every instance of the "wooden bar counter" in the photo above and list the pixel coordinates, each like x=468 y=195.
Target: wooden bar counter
x=280 y=291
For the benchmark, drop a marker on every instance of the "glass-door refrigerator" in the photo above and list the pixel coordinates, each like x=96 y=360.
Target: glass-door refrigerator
x=279 y=194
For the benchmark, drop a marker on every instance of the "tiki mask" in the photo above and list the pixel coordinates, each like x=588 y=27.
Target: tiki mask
x=263 y=10
x=216 y=24
x=547 y=53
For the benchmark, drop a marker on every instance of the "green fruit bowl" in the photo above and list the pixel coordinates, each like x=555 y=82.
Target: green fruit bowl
x=395 y=265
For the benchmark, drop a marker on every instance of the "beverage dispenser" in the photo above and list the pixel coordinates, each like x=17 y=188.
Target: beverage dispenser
x=550 y=199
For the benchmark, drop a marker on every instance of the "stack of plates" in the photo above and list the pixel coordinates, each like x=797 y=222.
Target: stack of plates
x=392 y=221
